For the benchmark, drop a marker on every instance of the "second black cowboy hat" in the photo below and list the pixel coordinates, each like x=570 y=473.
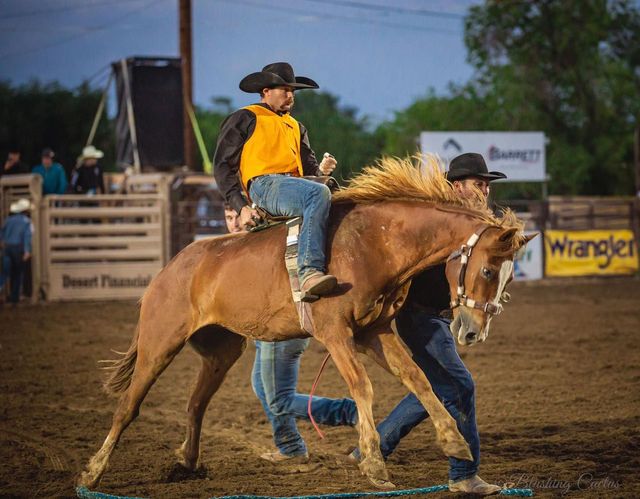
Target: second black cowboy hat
x=275 y=75
x=471 y=164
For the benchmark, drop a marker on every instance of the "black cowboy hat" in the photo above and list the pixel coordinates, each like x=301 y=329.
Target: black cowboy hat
x=275 y=75
x=471 y=164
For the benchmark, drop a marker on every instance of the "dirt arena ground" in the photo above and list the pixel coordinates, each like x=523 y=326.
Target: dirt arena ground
x=558 y=397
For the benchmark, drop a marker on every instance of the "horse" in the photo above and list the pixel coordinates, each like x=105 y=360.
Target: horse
x=389 y=224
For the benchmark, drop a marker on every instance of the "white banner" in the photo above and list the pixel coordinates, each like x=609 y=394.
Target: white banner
x=519 y=155
x=528 y=261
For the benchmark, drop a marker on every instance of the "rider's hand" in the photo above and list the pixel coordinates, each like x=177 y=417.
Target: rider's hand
x=328 y=164
x=26 y=256
x=249 y=217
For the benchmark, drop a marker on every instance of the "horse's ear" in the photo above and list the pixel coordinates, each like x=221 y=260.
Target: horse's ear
x=529 y=237
x=507 y=235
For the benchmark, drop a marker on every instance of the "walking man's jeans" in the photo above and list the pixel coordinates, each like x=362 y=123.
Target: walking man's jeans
x=433 y=349
x=282 y=195
x=274 y=380
x=12 y=269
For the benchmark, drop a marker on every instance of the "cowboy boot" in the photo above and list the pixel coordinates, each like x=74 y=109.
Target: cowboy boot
x=317 y=284
x=474 y=485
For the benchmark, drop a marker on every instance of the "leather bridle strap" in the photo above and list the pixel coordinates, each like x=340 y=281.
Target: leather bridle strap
x=464 y=253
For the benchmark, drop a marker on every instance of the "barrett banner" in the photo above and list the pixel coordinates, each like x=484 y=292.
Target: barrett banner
x=520 y=155
x=590 y=252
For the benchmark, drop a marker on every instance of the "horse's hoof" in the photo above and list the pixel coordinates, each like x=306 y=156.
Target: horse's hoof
x=459 y=450
x=380 y=483
x=87 y=480
x=182 y=460
x=178 y=473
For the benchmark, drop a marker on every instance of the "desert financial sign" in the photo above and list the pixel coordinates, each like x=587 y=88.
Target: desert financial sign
x=520 y=155
x=100 y=281
x=590 y=252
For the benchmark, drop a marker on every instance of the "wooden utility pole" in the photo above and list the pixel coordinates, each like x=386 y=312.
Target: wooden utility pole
x=636 y=157
x=187 y=83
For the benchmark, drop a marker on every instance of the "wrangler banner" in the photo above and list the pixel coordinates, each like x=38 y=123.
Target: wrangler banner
x=590 y=252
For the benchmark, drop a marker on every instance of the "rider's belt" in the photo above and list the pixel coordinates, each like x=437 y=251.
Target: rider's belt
x=252 y=179
x=273 y=147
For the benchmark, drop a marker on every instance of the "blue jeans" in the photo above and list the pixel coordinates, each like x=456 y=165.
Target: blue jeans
x=433 y=349
x=282 y=195
x=13 y=269
x=274 y=380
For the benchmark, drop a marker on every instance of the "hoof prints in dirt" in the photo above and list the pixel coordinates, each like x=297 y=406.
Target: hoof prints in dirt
x=178 y=473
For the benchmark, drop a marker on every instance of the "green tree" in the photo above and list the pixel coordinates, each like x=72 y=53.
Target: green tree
x=574 y=69
x=209 y=121
x=338 y=130
x=36 y=115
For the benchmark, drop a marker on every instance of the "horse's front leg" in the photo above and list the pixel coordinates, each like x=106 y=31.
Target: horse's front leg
x=385 y=348
x=340 y=344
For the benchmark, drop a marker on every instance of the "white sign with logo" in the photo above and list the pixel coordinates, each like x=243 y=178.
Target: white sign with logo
x=528 y=261
x=519 y=155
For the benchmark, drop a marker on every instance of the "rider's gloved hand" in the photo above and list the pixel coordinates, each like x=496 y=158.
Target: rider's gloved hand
x=328 y=164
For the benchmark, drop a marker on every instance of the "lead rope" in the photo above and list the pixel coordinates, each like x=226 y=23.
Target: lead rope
x=313 y=389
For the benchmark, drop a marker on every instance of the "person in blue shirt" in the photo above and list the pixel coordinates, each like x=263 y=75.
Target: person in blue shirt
x=54 y=179
x=15 y=237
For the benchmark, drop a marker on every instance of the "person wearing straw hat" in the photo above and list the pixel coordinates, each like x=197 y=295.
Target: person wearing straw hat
x=87 y=177
x=15 y=238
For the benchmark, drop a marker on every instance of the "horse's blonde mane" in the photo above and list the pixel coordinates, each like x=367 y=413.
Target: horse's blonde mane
x=420 y=178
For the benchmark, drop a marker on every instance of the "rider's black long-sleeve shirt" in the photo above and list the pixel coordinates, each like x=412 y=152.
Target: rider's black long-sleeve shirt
x=235 y=130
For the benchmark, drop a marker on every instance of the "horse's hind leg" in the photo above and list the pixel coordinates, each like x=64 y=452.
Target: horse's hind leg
x=154 y=353
x=385 y=348
x=344 y=354
x=219 y=349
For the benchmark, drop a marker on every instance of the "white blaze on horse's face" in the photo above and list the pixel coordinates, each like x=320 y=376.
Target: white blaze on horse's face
x=504 y=276
x=478 y=274
x=486 y=284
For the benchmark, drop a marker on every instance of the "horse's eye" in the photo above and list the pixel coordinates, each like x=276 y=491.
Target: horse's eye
x=486 y=273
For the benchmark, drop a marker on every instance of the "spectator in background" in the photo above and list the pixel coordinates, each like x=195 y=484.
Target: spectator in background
x=13 y=165
x=87 y=178
x=16 y=240
x=54 y=179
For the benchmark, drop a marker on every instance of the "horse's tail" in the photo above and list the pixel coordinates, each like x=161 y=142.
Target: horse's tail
x=121 y=369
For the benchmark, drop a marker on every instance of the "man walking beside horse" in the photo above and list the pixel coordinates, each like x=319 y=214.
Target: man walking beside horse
x=424 y=326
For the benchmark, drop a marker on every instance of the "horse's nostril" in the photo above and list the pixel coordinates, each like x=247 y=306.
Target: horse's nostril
x=470 y=336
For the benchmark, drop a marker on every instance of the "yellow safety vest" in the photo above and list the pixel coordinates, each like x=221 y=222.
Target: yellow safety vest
x=274 y=146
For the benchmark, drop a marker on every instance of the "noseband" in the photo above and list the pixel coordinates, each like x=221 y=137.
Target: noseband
x=464 y=253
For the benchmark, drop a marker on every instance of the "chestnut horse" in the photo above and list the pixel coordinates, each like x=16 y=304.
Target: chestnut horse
x=391 y=223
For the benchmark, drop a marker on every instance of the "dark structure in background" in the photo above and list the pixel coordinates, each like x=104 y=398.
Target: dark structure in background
x=149 y=124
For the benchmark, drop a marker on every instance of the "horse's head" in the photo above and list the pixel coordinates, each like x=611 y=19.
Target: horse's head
x=478 y=274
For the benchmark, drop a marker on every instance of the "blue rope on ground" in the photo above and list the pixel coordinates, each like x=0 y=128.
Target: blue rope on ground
x=84 y=493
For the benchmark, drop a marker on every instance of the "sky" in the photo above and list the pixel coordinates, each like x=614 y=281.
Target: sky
x=376 y=55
